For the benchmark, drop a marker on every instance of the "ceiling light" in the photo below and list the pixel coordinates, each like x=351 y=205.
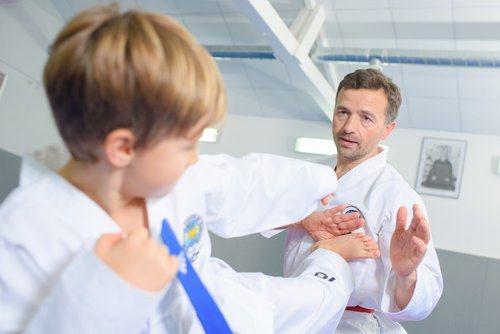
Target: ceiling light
x=210 y=135
x=315 y=146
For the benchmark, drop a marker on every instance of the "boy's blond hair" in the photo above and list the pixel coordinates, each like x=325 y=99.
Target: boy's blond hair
x=136 y=70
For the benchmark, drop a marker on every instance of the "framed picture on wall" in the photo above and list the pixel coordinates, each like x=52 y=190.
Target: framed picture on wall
x=440 y=167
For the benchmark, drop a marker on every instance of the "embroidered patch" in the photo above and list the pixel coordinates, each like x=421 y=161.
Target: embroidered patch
x=351 y=209
x=193 y=228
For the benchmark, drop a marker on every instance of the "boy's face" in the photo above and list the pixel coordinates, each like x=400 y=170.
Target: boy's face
x=156 y=169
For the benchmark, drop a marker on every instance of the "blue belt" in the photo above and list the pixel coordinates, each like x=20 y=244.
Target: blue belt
x=208 y=312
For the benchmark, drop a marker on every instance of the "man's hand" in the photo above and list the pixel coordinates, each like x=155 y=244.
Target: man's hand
x=138 y=259
x=322 y=225
x=408 y=247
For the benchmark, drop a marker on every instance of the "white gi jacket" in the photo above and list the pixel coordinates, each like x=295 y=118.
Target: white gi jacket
x=51 y=281
x=376 y=190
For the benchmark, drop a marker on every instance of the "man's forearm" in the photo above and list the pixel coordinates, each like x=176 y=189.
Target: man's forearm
x=405 y=287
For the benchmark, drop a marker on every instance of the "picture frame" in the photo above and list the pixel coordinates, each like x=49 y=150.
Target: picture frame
x=440 y=167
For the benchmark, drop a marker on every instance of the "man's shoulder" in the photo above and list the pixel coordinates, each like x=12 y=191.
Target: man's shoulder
x=390 y=180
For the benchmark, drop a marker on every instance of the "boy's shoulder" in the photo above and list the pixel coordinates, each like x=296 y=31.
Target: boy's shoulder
x=30 y=200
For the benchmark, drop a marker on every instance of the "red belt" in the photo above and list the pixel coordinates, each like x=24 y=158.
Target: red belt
x=358 y=308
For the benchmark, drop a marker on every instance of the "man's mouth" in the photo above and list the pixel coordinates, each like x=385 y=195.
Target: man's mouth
x=347 y=141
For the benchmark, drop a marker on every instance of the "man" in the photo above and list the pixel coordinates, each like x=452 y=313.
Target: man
x=405 y=283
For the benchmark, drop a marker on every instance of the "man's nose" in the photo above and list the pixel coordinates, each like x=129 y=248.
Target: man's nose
x=350 y=124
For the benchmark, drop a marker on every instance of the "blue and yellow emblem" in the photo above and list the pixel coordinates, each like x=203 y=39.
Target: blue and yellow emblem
x=193 y=228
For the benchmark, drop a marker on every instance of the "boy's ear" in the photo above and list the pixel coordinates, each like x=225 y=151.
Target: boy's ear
x=119 y=147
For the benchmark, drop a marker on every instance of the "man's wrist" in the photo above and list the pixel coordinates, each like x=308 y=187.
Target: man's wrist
x=298 y=225
x=407 y=280
x=405 y=287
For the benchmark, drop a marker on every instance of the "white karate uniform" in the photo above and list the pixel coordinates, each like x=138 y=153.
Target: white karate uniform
x=51 y=281
x=376 y=190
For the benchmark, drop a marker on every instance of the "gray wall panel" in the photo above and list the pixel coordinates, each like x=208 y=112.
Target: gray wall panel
x=458 y=311
x=253 y=253
x=489 y=319
x=9 y=173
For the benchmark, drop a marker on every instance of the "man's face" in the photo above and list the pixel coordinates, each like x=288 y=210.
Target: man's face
x=359 y=123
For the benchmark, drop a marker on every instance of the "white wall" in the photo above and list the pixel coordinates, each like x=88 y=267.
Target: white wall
x=469 y=224
x=25 y=119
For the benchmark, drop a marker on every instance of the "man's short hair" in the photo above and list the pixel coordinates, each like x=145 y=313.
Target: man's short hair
x=135 y=70
x=374 y=80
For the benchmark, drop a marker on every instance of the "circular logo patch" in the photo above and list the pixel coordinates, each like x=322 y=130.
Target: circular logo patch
x=193 y=228
x=351 y=209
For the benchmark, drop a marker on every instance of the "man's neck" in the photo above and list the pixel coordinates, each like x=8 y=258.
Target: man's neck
x=343 y=168
x=345 y=165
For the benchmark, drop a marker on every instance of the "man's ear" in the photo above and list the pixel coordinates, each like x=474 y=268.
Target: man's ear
x=119 y=147
x=388 y=129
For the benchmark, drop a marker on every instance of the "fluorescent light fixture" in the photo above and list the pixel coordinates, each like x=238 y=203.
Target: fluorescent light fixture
x=209 y=135
x=315 y=146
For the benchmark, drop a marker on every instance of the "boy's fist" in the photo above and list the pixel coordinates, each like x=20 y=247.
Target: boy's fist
x=138 y=259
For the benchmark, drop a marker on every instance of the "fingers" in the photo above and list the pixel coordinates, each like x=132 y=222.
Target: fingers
x=170 y=264
x=401 y=220
x=420 y=248
x=107 y=241
x=325 y=200
x=350 y=225
x=335 y=210
x=419 y=223
x=342 y=217
x=138 y=236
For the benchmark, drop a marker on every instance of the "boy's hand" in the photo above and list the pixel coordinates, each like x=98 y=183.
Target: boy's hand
x=322 y=225
x=138 y=259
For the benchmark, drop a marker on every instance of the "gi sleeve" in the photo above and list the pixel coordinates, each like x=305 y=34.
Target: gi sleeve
x=87 y=297
x=260 y=192
x=91 y=297
x=429 y=286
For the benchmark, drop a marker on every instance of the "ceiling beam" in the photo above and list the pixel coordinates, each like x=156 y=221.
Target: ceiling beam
x=64 y=8
x=293 y=48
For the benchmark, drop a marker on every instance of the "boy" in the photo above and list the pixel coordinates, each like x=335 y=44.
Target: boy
x=131 y=94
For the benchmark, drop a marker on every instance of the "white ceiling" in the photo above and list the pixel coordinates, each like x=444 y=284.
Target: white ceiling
x=443 y=98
